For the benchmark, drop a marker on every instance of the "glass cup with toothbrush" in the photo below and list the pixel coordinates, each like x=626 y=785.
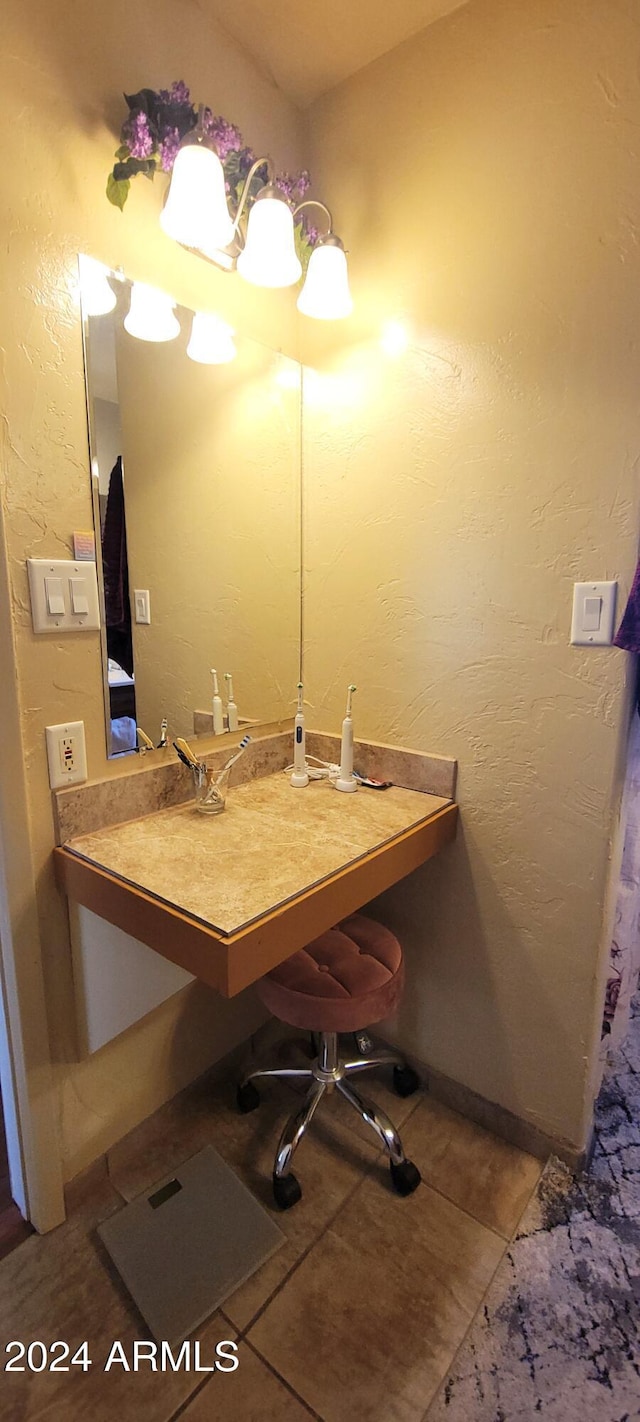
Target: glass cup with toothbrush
x=210 y=787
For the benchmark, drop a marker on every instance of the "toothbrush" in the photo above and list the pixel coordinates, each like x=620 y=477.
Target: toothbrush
x=163 y=734
x=185 y=754
x=241 y=748
x=232 y=710
x=346 y=779
x=300 y=775
x=218 y=718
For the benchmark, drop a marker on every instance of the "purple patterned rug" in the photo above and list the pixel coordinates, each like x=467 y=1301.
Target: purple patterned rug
x=558 y=1336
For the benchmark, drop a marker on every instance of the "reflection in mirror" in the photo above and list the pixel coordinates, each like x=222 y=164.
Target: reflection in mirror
x=196 y=493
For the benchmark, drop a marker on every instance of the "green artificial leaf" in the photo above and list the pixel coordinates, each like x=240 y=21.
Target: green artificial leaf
x=131 y=167
x=118 y=190
x=122 y=152
x=302 y=245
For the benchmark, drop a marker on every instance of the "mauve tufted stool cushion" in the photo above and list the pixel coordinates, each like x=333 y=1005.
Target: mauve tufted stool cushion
x=344 y=980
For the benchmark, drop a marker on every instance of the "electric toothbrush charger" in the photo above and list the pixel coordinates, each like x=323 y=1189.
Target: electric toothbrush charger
x=347 y=785
x=299 y=779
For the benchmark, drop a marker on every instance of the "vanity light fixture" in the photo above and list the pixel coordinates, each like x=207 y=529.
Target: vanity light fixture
x=216 y=208
x=196 y=212
x=98 y=297
x=325 y=294
x=211 y=341
x=151 y=314
x=269 y=257
x=196 y=215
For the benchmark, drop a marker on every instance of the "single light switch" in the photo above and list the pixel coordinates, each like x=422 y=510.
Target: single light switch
x=592 y=614
x=79 y=600
x=594 y=606
x=142 y=605
x=55 y=600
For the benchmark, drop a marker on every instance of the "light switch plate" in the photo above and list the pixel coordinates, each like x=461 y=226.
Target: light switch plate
x=54 y=585
x=594 y=608
x=142 y=605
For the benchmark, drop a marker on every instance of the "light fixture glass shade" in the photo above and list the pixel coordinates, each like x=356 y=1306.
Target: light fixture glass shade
x=325 y=294
x=98 y=298
x=269 y=255
x=151 y=316
x=196 y=211
x=211 y=341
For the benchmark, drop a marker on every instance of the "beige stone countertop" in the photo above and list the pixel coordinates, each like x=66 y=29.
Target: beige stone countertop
x=270 y=844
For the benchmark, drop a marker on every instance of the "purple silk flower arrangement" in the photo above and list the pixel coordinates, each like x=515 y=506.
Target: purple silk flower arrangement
x=153 y=131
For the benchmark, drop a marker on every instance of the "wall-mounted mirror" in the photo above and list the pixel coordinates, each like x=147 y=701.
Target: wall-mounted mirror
x=196 y=492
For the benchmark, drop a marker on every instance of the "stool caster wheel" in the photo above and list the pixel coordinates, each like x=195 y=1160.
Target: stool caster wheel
x=405 y=1081
x=247 y=1098
x=405 y=1177
x=286 y=1191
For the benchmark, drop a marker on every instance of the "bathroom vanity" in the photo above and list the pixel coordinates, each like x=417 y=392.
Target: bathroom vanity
x=158 y=892
x=228 y=897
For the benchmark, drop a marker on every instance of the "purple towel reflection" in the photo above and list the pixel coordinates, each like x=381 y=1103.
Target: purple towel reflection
x=628 y=634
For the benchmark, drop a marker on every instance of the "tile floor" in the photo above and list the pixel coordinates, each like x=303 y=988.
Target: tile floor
x=359 y=1314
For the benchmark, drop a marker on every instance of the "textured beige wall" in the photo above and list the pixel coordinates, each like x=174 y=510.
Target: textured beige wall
x=64 y=68
x=486 y=178
x=212 y=493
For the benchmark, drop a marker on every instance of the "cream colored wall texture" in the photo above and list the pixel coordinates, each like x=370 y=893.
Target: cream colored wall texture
x=485 y=178
x=64 y=69
x=487 y=181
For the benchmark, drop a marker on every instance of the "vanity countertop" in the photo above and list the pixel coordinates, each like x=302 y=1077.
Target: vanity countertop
x=228 y=896
x=270 y=843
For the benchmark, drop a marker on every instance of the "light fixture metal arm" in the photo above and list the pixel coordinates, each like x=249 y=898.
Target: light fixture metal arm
x=313 y=202
x=259 y=163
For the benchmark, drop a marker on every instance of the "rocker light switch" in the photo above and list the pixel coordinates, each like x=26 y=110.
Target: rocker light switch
x=79 y=601
x=55 y=600
x=592 y=614
x=594 y=606
x=142 y=605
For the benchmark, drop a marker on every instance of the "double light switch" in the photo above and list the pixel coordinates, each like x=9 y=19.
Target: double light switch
x=64 y=595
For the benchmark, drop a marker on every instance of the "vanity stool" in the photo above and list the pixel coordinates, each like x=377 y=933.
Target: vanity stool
x=350 y=976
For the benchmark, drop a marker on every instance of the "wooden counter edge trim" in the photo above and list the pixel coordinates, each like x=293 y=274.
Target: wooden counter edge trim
x=278 y=934
x=232 y=963
x=190 y=945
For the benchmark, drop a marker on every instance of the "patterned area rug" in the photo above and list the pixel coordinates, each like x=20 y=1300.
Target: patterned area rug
x=559 y=1334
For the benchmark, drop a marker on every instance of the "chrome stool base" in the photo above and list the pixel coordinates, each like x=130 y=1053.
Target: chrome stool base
x=330 y=1072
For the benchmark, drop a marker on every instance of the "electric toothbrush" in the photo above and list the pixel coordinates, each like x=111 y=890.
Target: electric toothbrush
x=218 y=718
x=232 y=710
x=346 y=779
x=300 y=775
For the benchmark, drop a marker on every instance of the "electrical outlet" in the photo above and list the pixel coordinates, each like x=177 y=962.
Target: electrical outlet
x=66 y=753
